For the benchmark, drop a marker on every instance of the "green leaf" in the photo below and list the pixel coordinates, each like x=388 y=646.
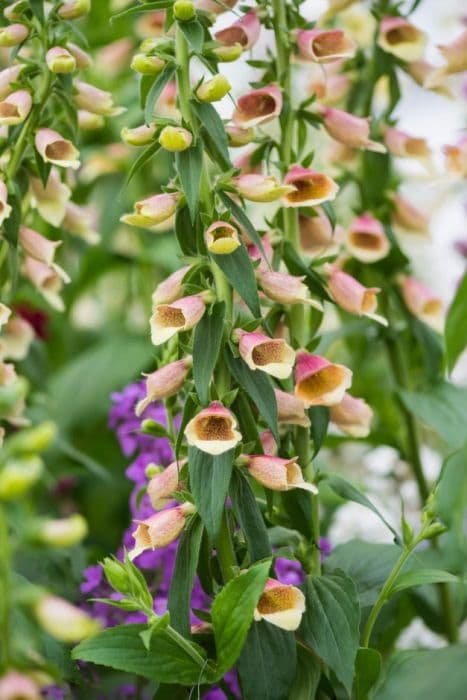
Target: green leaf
x=155 y=627
x=209 y=482
x=11 y=225
x=189 y=165
x=330 y=213
x=232 y=614
x=243 y=220
x=37 y=7
x=258 y=387
x=307 y=676
x=450 y=491
x=189 y=411
x=213 y=133
x=206 y=347
x=456 y=325
x=122 y=648
x=181 y=584
x=430 y=346
x=367 y=671
x=249 y=516
x=142 y=159
x=345 y=490
x=194 y=34
x=156 y=90
x=319 y=416
x=330 y=624
x=296 y=266
x=267 y=663
x=421 y=577
x=238 y=269
x=146 y=7
x=184 y=231
x=443 y=407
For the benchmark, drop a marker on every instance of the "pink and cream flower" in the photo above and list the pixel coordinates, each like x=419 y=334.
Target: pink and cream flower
x=80 y=221
x=152 y=211
x=171 y=288
x=456 y=158
x=290 y=409
x=402 y=39
x=138 y=136
x=47 y=280
x=60 y=60
x=239 y=136
x=265 y=259
x=213 y=430
x=40 y=248
x=170 y=319
x=215 y=6
x=53 y=148
x=5 y=208
x=13 y=34
x=95 y=100
x=160 y=529
x=317 y=236
x=352 y=296
x=164 y=382
x=408 y=216
x=281 y=605
x=455 y=56
x=260 y=188
x=258 y=107
x=403 y=145
x=319 y=382
x=349 y=130
x=221 y=238
x=308 y=187
x=270 y=355
x=64 y=621
x=422 y=303
x=276 y=473
x=268 y=443
x=14 y=685
x=284 y=288
x=15 y=108
x=245 y=31
x=8 y=77
x=352 y=416
x=162 y=485
x=367 y=240
x=17 y=336
x=51 y=200
x=325 y=45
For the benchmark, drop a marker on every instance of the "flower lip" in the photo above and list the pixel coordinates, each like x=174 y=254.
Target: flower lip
x=352 y=416
x=325 y=46
x=213 y=430
x=270 y=355
x=182 y=315
x=258 y=106
x=244 y=31
x=401 y=38
x=320 y=382
x=367 y=240
x=222 y=238
x=310 y=187
x=281 y=605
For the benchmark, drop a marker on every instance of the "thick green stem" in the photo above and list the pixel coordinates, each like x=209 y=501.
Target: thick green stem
x=4 y=589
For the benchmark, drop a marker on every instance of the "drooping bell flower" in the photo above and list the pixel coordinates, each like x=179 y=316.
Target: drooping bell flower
x=162 y=485
x=51 y=200
x=408 y=216
x=221 y=238
x=5 y=209
x=281 y=605
x=239 y=136
x=17 y=336
x=317 y=236
x=319 y=382
x=352 y=296
x=284 y=288
x=214 y=89
x=400 y=38
x=352 y=416
x=349 y=130
x=245 y=31
x=164 y=382
x=8 y=77
x=260 y=188
x=160 y=529
x=330 y=89
x=14 y=685
x=171 y=288
x=403 y=145
x=422 y=302
x=5 y=313
x=290 y=409
x=60 y=60
x=39 y=247
x=47 y=280
x=276 y=473
x=213 y=430
x=53 y=148
x=82 y=58
x=64 y=621
x=80 y=221
x=455 y=56
x=95 y=100
x=325 y=45
x=170 y=319
x=175 y=138
x=139 y=135
x=309 y=187
x=13 y=34
x=429 y=77
x=258 y=106
x=151 y=211
x=456 y=158
x=15 y=108
x=74 y=9
x=270 y=355
x=367 y=240
x=268 y=443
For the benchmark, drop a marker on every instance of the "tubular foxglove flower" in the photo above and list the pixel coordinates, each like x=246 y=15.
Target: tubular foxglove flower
x=325 y=45
x=239 y=136
x=162 y=485
x=74 y=9
x=95 y=100
x=60 y=60
x=245 y=31
x=284 y=288
x=258 y=107
x=330 y=89
x=352 y=416
x=213 y=430
x=170 y=319
x=14 y=685
x=8 y=77
x=160 y=529
x=281 y=605
x=82 y=58
x=47 y=280
x=265 y=259
x=171 y=288
x=51 y=200
x=64 y=621
x=270 y=355
x=139 y=136
x=317 y=236
x=17 y=336
x=422 y=302
x=268 y=443
x=401 y=38
x=221 y=238
x=80 y=221
x=352 y=296
x=456 y=158
x=214 y=89
x=350 y=130
x=403 y=145
x=152 y=211
x=260 y=188
x=40 y=248
x=309 y=187
x=5 y=209
x=5 y=313
x=175 y=138
x=290 y=409
x=63 y=532
x=164 y=382
x=15 y=108
x=214 y=6
x=13 y=34
x=276 y=474
x=319 y=382
x=366 y=239
x=53 y=148
x=408 y=216
x=429 y=77
x=147 y=65
x=455 y=56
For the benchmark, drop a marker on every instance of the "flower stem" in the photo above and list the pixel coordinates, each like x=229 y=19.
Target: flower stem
x=4 y=590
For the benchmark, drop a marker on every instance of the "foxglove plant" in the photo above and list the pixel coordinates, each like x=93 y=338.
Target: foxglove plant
x=241 y=351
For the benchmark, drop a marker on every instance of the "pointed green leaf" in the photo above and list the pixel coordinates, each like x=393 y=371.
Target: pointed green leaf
x=189 y=165
x=456 y=325
x=319 y=416
x=206 y=346
x=307 y=676
x=367 y=670
x=194 y=34
x=142 y=159
x=209 y=482
x=243 y=220
x=213 y=133
x=421 y=577
x=238 y=269
x=181 y=584
x=249 y=516
x=156 y=90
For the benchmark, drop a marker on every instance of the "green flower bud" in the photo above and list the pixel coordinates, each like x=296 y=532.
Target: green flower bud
x=214 y=89
x=18 y=476
x=139 y=135
x=147 y=65
x=32 y=440
x=63 y=532
x=227 y=54
x=116 y=574
x=175 y=138
x=184 y=10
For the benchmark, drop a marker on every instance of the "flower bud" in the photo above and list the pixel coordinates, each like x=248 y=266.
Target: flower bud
x=139 y=136
x=116 y=574
x=258 y=106
x=184 y=10
x=82 y=58
x=15 y=10
x=352 y=416
x=366 y=239
x=63 y=532
x=147 y=65
x=281 y=605
x=15 y=108
x=268 y=443
x=18 y=686
x=407 y=216
x=403 y=145
x=51 y=200
x=170 y=319
x=171 y=288
x=214 y=6
x=74 y=9
x=32 y=440
x=277 y=474
x=284 y=288
x=221 y=238
x=60 y=60
x=64 y=621
x=400 y=38
x=164 y=382
x=227 y=54
x=352 y=296
x=160 y=529
x=422 y=302
x=37 y=245
x=13 y=34
x=175 y=138
x=5 y=209
x=270 y=355
x=152 y=211
x=213 y=430
x=9 y=76
x=260 y=188
x=87 y=121
x=95 y=100
x=265 y=259
x=325 y=45
x=290 y=409
x=319 y=382
x=163 y=484
x=214 y=89
x=18 y=475
x=48 y=280
x=245 y=32
x=238 y=136
x=309 y=187
x=350 y=130
x=53 y=148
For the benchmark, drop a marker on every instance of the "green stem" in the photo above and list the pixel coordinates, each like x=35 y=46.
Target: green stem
x=302 y=445
x=5 y=556
x=225 y=551
x=186 y=646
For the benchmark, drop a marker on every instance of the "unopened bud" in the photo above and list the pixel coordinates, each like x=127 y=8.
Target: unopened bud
x=214 y=89
x=64 y=621
x=147 y=65
x=116 y=574
x=434 y=530
x=32 y=440
x=227 y=54
x=60 y=60
x=175 y=138
x=139 y=136
x=73 y=9
x=17 y=476
x=62 y=532
x=13 y=35
x=184 y=10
